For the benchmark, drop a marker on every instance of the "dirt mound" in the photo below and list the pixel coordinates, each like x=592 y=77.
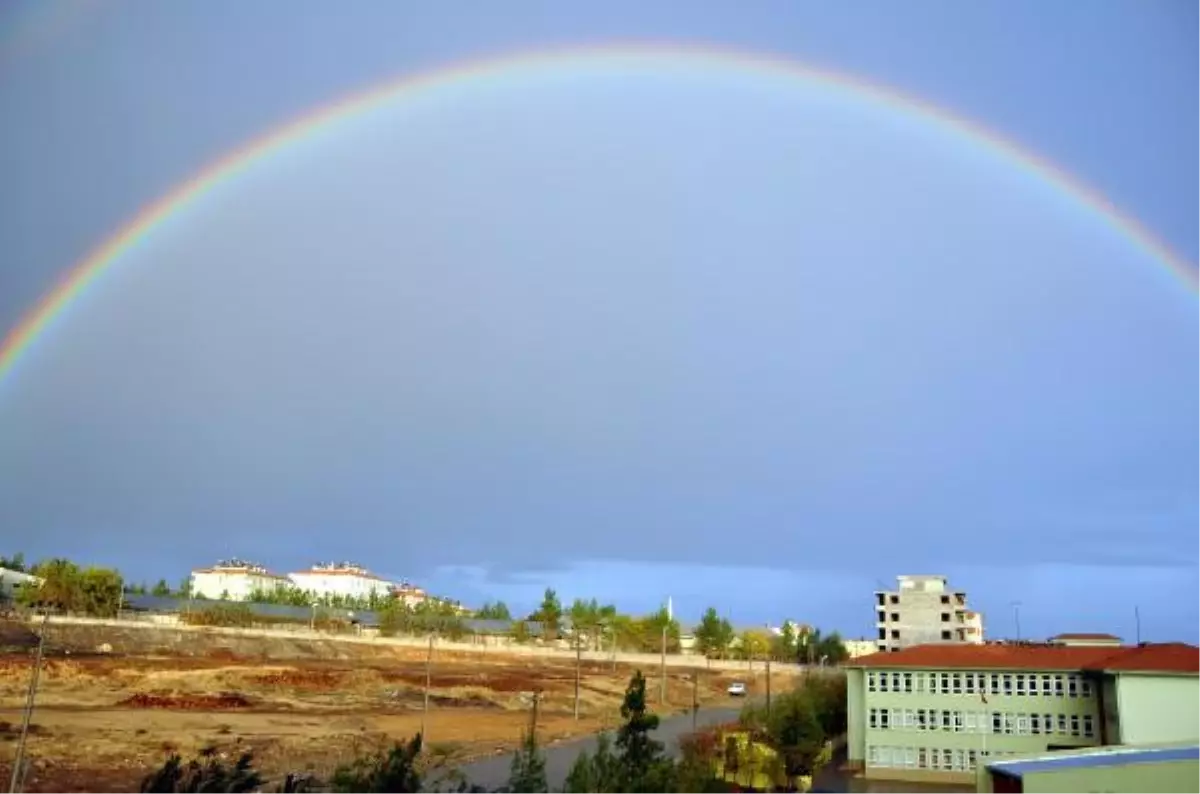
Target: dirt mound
x=9 y=731
x=222 y=655
x=217 y=702
x=468 y=702
x=496 y=682
x=300 y=679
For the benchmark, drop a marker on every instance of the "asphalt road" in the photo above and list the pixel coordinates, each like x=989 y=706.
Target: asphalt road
x=492 y=773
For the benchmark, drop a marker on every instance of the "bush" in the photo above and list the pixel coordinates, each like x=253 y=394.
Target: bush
x=207 y=773
x=393 y=771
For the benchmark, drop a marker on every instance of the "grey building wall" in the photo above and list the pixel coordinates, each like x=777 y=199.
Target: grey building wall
x=921 y=610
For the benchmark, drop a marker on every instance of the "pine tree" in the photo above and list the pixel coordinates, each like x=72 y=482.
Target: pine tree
x=528 y=770
x=642 y=765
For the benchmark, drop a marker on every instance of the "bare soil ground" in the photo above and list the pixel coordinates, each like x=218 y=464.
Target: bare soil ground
x=104 y=720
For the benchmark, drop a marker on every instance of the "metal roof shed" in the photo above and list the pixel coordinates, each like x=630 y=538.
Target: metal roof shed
x=1168 y=768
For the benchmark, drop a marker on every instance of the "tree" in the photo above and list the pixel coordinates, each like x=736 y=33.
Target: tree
x=586 y=619
x=754 y=644
x=13 y=563
x=528 y=770
x=395 y=618
x=605 y=617
x=813 y=647
x=99 y=592
x=784 y=646
x=185 y=587
x=161 y=589
x=59 y=588
x=800 y=725
x=830 y=648
x=520 y=632
x=794 y=730
x=713 y=634
x=67 y=588
x=549 y=614
x=599 y=772
x=639 y=751
x=207 y=773
x=394 y=771
x=496 y=611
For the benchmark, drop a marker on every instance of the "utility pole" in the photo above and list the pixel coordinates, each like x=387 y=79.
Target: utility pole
x=663 y=668
x=19 y=758
x=533 y=715
x=578 y=664
x=768 y=685
x=428 y=679
x=695 y=697
x=612 y=647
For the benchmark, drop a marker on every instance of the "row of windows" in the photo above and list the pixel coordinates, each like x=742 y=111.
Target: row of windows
x=940 y=758
x=882 y=617
x=883 y=635
x=1007 y=684
x=998 y=722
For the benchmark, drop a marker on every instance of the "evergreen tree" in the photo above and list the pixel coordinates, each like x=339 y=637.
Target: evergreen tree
x=395 y=771
x=528 y=770
x=642 y=765
x=599 y=772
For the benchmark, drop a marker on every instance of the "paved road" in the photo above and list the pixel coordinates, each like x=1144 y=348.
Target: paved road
x=492 y=773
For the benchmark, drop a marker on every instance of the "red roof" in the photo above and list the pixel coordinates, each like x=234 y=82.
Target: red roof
x=1168 y=657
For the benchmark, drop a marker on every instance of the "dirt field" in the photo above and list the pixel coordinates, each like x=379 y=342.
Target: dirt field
x=104 y=720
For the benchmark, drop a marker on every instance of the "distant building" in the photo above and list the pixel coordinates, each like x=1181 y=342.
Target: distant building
x=924 y=610
x=235 y=579
x=1086 y=640
x=409 y=594
x=857 y=648
x=936 y=712
x=341 y=579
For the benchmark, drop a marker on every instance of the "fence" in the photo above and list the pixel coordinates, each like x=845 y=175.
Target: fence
x=480 y=644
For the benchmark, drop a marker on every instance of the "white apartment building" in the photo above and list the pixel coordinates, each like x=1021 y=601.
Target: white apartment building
x=409 y=594
x=235 y=579
x=924 y=610
x=343 y=579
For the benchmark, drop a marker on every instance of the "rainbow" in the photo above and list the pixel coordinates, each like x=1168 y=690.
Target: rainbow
x=93 y=266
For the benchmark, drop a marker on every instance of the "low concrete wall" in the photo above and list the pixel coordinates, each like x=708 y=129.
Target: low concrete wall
x=300 y=633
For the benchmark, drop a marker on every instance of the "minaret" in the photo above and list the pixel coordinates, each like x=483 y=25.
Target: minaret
x=670 y=612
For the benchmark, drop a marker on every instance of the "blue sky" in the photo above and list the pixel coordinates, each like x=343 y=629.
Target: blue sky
x=631 y=332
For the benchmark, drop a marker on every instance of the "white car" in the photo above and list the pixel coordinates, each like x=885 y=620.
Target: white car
x=737 y=689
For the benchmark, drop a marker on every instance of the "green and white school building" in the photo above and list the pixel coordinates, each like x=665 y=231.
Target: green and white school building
x=937 y=712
